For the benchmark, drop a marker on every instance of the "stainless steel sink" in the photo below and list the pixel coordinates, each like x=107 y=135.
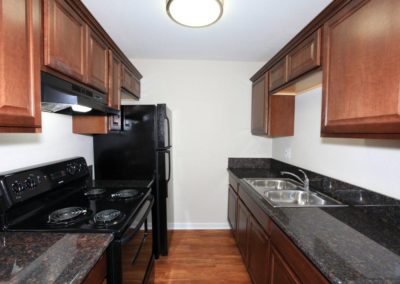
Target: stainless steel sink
x=298 y=198
x=273 y=184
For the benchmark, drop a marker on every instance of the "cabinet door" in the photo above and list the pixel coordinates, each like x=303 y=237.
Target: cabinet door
x=232 y=206
x=20 y=31
x=114 y=91
x=361 y=70
x=259 y=106
x=277 y=75
x=97 y=62
x=64 y=39
x=280 y=271
x=258 y=253
x=130 y=82
x=305 y=57
x=242 y=224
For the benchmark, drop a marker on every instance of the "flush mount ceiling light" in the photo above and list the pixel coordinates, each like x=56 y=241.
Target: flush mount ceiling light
x=195 y=13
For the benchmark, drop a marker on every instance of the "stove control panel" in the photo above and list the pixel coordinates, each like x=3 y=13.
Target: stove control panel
x=18 y=186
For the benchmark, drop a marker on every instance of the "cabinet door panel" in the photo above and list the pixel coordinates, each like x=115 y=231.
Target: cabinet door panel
x=280 y=271
x=130 y=82
x=277 y=75
x=258 y=253
x=97 y=59
x=259 y=106
x=114 y=93
x=232 y=206
x=20 y=28
x=305 y=56
x=242 y=223
x=361 y=92
x=64 y=39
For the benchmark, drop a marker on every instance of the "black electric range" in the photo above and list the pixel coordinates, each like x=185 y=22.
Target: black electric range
x=61 y=197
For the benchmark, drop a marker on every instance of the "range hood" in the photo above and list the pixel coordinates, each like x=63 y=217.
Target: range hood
x=64 y=97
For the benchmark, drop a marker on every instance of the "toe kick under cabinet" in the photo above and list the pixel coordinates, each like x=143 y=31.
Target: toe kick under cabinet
x=269 y=255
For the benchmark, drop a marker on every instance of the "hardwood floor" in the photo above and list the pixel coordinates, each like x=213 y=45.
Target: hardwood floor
x=201 y=256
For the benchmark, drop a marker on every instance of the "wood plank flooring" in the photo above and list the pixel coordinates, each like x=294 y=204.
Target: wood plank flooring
x=201 y=256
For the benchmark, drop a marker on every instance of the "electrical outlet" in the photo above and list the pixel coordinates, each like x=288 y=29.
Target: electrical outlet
x=287 y=154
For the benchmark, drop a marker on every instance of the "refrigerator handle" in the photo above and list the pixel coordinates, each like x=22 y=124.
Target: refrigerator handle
x=169 y=165
x=169 y=131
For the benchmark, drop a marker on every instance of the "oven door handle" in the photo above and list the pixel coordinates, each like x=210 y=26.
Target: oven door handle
x=143 y=213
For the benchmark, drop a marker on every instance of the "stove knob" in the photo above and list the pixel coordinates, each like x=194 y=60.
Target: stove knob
x=71 y=169
x=30 y=183
x=79 y=167
x=17 y=187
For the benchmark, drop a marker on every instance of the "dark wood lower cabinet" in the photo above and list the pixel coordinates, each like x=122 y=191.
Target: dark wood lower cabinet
x=280 y=271
x=243 y=215
x=258 y=251
x=268 y=253
x=232 y=204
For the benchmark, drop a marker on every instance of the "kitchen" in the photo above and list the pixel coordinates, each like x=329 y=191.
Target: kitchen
x=210 y=100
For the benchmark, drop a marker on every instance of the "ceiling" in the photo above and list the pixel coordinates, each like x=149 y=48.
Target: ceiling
x=249 y=30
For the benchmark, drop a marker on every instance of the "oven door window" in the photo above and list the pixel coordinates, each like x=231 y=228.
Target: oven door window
x=136 y=255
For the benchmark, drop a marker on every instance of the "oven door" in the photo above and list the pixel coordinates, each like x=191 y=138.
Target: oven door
x=132 y=256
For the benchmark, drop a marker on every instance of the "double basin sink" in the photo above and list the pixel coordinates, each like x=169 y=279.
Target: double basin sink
x=288 y=193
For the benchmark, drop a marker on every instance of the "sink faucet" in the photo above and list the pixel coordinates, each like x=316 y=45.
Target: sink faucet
x=305 y=182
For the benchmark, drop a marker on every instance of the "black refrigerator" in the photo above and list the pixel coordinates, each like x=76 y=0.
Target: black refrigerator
x=141 y=150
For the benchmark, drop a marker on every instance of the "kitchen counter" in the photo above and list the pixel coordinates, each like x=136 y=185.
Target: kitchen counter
x=347 y=244
x=49 y=257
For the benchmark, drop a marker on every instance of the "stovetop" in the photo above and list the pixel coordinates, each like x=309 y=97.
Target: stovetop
x=61 y=197
x=110 y=199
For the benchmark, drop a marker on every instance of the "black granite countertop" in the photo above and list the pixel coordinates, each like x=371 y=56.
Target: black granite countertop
x=49 y=257
x=348 y=244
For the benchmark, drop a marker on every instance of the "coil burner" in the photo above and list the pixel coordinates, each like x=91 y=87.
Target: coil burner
x=95 y=192
x=108 y=217
x=67 y=216
x=126 y=194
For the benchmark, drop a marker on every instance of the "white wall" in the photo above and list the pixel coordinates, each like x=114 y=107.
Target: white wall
x=372 y=164
x=210 y=103
x=55 y=142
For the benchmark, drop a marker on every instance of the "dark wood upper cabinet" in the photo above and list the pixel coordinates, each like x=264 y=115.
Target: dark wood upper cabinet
x=259 y=106
x=258 y=247
x=97 y=61
x=129 y=82
x=20 y=34
x=64 y=39
x=361 y=70
x=278 y=74
x=305 y=57
x=271 y=115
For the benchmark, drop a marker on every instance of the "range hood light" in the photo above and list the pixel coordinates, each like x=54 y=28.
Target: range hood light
x=195 y=13
x=79 y=108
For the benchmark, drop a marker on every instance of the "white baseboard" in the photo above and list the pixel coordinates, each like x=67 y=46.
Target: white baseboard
x=199 y=226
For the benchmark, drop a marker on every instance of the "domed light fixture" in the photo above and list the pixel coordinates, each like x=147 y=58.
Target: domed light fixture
x=195 y=13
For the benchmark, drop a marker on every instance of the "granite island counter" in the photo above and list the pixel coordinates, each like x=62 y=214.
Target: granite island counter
x=33 y=257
